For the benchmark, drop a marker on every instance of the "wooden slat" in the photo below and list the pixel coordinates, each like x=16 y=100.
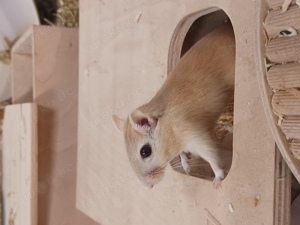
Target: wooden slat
x=285 y=103
x=291 y=127
x=282 y=202
x=20 y=165
x=284 y=76
x=275 y=4
x=281 y=50
x=277 y=21
x=2 y=107
x=295 y=148
x=55 y=66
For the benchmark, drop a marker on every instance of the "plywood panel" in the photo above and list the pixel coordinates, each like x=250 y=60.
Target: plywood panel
x=123 y=62
x=55 y=67
x=19 y=165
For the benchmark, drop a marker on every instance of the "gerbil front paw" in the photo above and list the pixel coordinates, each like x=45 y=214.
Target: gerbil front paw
x=184 y=162
x=186 y=166
x=218 y=179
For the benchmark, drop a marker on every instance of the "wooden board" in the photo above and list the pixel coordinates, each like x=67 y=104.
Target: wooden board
x=282 y=50
x=295 y=211
x=281 y=104
x=55 y=67
x=277 y=21
x=295 y=148
x=291 y=127
x=286 y=103
x=123 y=62
x=19 y=165
x=22 y=69
x=284 y=76
x=2 y=106
x=283 y=181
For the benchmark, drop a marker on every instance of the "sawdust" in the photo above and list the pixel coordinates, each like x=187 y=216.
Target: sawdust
x=138 y=16
x=230 y=207
x=256 y=200
x=2 y=106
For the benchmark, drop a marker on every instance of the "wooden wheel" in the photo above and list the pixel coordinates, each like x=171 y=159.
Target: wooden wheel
x=280 y=78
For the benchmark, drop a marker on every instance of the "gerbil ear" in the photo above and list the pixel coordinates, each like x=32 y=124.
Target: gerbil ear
x=118 y=122
x=141 y=121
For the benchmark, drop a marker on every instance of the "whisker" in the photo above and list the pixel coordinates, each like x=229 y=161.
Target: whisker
x=198 y=165
x=193 y=164
x=178 y=167
x=160 y=169
x=190 y=162
x=176 y=164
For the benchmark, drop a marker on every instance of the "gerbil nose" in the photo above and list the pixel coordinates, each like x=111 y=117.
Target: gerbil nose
x=150 y=186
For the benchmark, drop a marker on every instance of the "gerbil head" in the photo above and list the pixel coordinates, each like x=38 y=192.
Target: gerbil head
x=143 y=137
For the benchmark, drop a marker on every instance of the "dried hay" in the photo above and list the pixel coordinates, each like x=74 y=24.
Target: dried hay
x=5 y=56
x=224 y=124
x=67 y=14
x=294 y=91
x=285 y=5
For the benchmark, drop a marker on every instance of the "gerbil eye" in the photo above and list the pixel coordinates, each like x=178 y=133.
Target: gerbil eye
x=146 y=151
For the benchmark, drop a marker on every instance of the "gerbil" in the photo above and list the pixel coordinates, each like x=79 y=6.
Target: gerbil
x=181 y=116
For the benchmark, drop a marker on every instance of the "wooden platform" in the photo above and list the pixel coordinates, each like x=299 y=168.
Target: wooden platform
x=123 y=62
x=45 y=71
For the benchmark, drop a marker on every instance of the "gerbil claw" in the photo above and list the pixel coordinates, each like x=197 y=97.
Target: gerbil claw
x=187 y=169
x=184 y=163
x=217 y=183
x=219 y=176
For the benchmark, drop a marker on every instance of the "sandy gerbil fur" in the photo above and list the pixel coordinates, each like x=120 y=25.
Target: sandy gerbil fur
x=182 y=114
